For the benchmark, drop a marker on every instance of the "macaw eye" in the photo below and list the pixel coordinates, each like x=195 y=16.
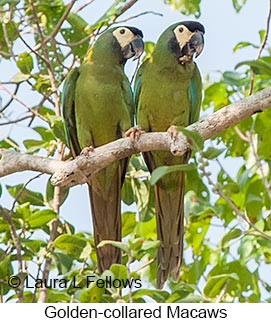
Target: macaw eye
x=122 y=31
x=181 y=29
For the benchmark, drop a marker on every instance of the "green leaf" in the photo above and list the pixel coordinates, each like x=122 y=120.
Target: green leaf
x=147 y=229
x=72 y=245
x=63 y=262
x=33 y=145
x=186 y=7
x=40 y=218
x=58 y=127
x=233 y=234
x=148 y=48
x=57 y=296
x=195 y=139
x=3 y=2
x=148 y=244
x=215 y=284
x=127 y=193
x=6 y=270
x=262 y=34
x=75 y=34
x=243 y=44
x=233 y=78
x=25 y=63
x=33 y=245
x=119 y=271
x=159 y=296
x=128 y=223
x=23 y=195
x=259 y=66
x=116 y=244
x=93 y=294
x=50 y=191
x=216 y=95
x=45 y=133
x=238 y=4
x=163 y=170
x=212 y=153
x=19 y=77
x=42 y=84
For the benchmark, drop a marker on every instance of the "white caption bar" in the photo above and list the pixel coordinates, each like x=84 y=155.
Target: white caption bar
x=147 y=312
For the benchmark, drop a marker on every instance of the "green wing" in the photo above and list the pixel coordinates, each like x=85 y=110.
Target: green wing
x=128 y=98
x=195 y=92
x=68 y=98
x=137 y=85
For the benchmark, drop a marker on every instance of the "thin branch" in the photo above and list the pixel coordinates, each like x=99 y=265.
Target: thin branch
x=141 y=14
x=7 y=215
x=264 y=41
x=61 y=21
x=83 y=6
x=11 y=99
x=6 y=123
x=223 y=292
x=240 y=134
x=217 y=190
x=15 y=97
x=127 y=6
x=259 y=164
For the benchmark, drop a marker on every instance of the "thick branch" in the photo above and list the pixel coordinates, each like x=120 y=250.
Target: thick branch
x=78 y=171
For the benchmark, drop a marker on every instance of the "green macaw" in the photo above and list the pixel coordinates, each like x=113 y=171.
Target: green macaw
x=168 y=92
x=98 y=108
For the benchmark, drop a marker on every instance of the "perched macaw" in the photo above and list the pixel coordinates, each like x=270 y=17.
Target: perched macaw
x=98 y=108
x=168 y=92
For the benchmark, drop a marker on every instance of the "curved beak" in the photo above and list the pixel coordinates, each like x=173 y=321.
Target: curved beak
x=196 y=44
x=134 y=49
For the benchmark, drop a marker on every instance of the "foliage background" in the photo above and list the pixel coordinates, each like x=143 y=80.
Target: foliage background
x=228 y=224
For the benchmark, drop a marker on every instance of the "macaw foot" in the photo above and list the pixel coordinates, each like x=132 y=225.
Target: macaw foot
x=185 y=59
x=173 y=132
x=85 y=151
x=134 y=133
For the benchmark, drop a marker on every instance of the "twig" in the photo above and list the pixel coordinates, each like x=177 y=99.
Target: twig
x=259 y=165
x=83 y=6
x=7 y=215
x=240 y=134
x=127 y=6
x=223 y=292
x=218 y=190
x=141 y=14
x=264 y=41
x=15 y=97
x=11 y=99
x=16 y=120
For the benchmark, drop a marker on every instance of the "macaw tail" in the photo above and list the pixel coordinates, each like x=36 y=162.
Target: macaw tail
x=169 y=206
x=105 y=199
x=169 y=209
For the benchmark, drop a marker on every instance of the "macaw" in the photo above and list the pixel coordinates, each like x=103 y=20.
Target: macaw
x=98 y=108
x=168 y=94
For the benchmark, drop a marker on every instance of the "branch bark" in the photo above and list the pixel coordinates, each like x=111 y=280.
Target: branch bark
x=78 y=171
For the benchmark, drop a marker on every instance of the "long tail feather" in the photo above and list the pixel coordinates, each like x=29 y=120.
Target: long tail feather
x=169 y=209
x=105 y=199
x=169 y=218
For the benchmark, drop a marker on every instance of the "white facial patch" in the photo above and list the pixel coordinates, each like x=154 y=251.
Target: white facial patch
x=124 y=36
x=183 y=35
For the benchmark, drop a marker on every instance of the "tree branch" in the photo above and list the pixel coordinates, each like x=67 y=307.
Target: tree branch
x=78 y=171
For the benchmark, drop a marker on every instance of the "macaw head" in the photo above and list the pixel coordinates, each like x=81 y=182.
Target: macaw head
x=117 y=44
x=185 y=39
x=130 y=41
